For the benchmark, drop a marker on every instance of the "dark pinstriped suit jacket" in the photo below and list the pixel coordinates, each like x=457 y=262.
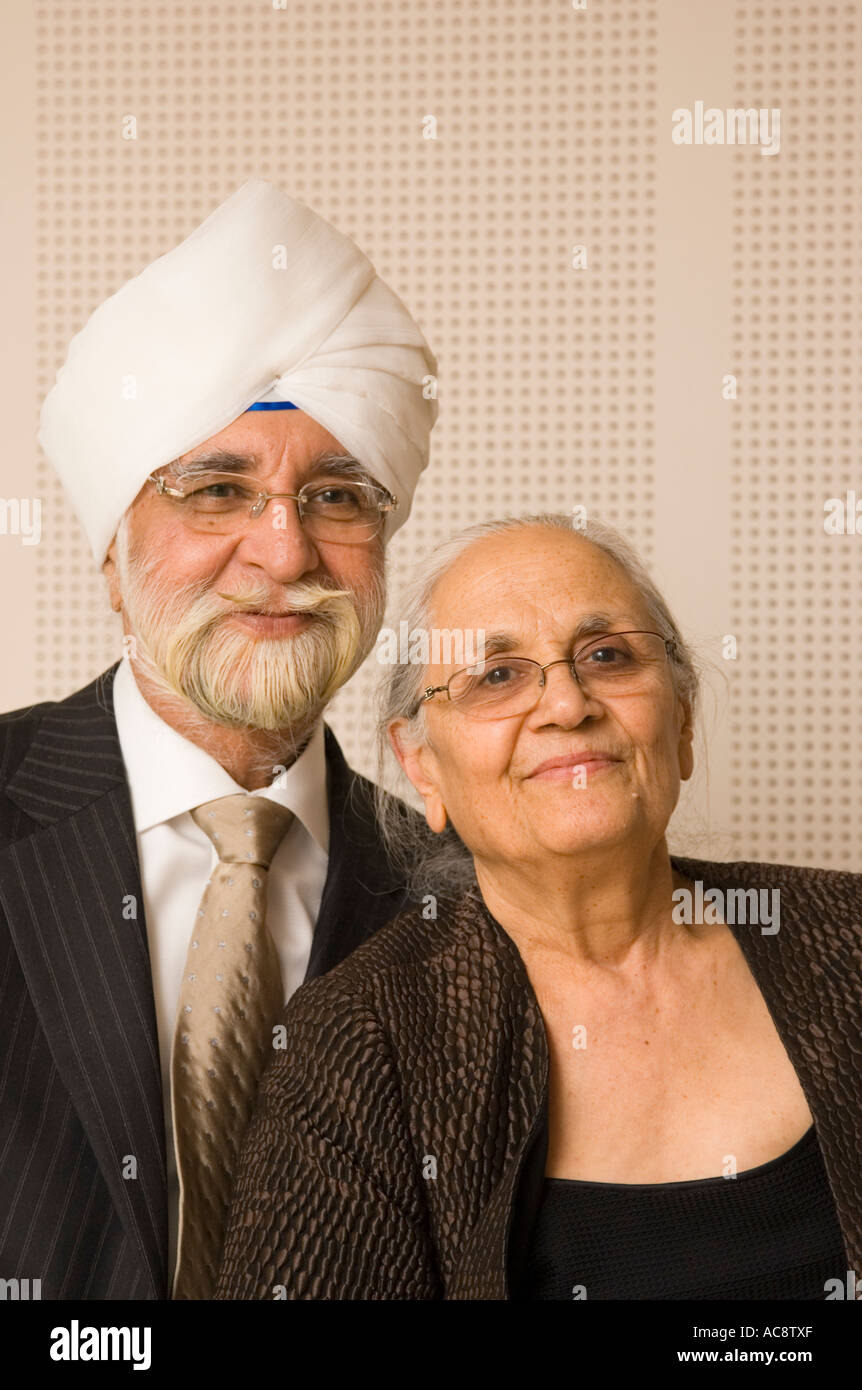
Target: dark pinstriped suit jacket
x=80 y=1083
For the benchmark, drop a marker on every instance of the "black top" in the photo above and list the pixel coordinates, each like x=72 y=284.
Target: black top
x=770 y=1232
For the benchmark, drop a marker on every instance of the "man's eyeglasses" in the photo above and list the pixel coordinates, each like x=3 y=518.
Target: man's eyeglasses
x=333 y=509
x=619 y=663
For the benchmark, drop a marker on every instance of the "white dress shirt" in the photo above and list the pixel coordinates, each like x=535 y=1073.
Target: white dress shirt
x=168 y=776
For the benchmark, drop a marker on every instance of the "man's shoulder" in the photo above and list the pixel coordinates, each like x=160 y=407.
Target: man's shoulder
x=360 y=789
x=368 y=821
x=23 y=722
x=20 y=727
x=95 y=693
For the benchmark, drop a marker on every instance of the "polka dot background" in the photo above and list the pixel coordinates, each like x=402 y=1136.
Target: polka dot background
x=797 y=342
x=551 y=132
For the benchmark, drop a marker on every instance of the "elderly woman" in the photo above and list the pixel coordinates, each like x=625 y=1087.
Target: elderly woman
x=577 y=1070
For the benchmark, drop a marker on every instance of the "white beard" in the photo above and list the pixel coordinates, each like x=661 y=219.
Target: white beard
x=278 y=685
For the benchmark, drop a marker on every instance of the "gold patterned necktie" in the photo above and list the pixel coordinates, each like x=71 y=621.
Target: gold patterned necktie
x=230 y=997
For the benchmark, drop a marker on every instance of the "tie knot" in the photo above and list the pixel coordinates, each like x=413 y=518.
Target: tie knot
x=244 y=829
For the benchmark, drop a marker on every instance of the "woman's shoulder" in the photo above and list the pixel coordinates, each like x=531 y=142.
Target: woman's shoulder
x=800 y=906
x=803 y=879
x=400 y=954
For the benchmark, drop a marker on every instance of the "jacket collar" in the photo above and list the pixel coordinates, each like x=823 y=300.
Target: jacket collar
x=362 y=889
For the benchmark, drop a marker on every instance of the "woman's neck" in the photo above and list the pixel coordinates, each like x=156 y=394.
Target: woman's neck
x=609 y=912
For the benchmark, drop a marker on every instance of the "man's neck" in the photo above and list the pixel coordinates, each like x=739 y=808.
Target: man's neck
x=253 y=757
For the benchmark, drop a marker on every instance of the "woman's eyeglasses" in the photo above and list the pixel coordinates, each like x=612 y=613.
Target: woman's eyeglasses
x=330 y=509
x=619 y=663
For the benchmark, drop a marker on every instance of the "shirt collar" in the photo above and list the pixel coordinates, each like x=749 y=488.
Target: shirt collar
x=168 y=774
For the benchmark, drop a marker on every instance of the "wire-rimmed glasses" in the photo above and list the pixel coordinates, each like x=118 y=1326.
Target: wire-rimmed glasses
x=340 y=510
x=621 y=663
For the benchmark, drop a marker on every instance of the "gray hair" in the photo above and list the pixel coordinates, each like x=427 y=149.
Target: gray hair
x=441 y=864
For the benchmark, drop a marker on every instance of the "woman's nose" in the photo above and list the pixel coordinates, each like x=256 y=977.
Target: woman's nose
x=562 y=688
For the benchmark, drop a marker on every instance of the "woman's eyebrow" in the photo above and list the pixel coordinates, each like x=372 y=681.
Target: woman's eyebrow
x=500 y=642
x=589 y=625
x=595 y=624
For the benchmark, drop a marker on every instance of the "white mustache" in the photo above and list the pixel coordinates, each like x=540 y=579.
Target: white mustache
x=309 y=598
x=299 y=598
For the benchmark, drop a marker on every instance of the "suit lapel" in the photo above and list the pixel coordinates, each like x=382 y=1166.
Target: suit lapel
x=71 y=892
x=361 y=892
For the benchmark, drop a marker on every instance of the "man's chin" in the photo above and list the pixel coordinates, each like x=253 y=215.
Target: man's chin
x=281 y=718
x=236 y=680
x=234 y=709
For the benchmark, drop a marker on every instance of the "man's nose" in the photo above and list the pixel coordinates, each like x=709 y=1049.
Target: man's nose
x=277 y=541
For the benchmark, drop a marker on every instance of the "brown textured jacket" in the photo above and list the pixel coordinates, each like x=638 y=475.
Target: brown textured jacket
x=399 y=1143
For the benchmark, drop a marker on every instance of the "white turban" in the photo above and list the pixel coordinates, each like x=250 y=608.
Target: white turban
x=264 y=298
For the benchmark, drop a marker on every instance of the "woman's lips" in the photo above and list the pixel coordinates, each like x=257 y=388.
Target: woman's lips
x=564 y=772
x=273 y=625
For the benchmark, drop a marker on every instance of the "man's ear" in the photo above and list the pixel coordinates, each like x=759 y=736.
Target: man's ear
x=109 y=570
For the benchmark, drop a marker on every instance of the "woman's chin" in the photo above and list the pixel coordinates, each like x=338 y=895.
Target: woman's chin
x=575 y=830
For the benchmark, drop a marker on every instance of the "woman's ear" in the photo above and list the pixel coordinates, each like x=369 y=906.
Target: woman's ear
x=417 y=762
x=685 y=750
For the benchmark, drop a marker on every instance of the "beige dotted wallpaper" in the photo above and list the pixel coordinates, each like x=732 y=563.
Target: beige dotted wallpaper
x=632 y=240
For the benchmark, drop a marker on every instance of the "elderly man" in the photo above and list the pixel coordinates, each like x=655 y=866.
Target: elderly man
x=240 y=429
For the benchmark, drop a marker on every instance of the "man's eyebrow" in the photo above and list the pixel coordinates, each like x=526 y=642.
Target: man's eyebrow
x=345 y=465
x=590 y=625
x=222 y=460
x=228 y=461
